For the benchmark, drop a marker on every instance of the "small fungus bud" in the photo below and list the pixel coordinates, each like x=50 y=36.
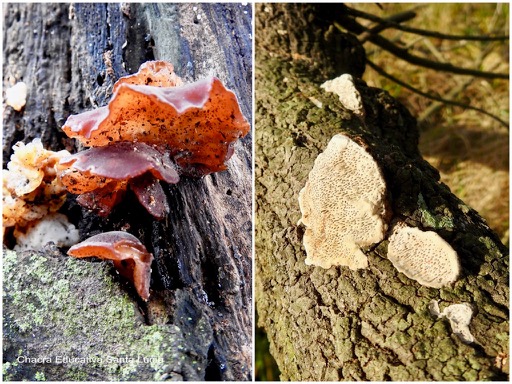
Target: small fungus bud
x=129 y=255
x=16 y=96
x=344 y=87
x=423 y=256
x=459 y=316
x=343 y=205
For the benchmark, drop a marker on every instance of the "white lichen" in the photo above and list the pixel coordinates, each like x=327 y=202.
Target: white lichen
x=349 y=96
x=423 y=256
x=343 y=205
x=459 y=316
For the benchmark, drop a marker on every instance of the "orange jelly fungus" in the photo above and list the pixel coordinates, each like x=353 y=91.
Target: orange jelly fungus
x=197 y=122
x=129 y=255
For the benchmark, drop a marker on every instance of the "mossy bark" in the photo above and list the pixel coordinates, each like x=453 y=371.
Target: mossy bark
x=371 y=324
x=70 y=55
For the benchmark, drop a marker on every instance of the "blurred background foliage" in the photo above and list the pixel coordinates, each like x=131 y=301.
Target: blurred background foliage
x=470 y=149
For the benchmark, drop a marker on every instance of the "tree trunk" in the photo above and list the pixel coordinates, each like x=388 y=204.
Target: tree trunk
x=198 y=318
x=370 y=324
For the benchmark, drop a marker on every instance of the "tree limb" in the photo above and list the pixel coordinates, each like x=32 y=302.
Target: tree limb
x=413 y=59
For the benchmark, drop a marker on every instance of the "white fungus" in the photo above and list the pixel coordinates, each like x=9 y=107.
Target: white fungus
x=349 y=96
x=342 y=205
x=459 y=316
x=16 y=96
x=423 y=256
x=54 y=228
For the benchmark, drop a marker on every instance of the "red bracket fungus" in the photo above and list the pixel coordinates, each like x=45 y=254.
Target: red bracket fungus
x=153 y=119
x=129 y=255
x=101 y=175
x=198 y=121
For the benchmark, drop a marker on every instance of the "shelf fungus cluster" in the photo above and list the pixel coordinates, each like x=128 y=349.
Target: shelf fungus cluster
x=130 y=257
x=154 y=128
x=343 y=205
x=344 y=208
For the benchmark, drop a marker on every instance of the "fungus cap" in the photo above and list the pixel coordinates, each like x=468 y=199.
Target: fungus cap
x=199 y=122
x=349 y=96
x=423 y=256
x=459 y=316
x=343 y=205
x=129 y=255
x=119 y=161
x=102 y=174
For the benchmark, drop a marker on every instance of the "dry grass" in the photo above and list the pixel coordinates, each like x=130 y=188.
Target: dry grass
x=470 y=149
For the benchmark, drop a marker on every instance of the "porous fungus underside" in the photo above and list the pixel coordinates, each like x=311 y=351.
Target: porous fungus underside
x=343 y=205
x=423 y=256
x=90 y=314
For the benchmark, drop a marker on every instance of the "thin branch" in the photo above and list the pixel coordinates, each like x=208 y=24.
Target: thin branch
x=397 y=18
x=416 y=60
x=385 y=23
x=381 y=72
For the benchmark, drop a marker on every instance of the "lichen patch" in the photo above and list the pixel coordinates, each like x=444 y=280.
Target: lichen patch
x=343 y=205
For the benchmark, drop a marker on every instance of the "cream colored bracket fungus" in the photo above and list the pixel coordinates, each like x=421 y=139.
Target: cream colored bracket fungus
x=349 y=96
x=343 y=205
x=459 y=316
x=423 y=256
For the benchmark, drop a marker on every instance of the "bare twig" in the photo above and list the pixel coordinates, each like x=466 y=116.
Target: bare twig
x=380 y=71
x=417 y=31
x=397 y=18
x=404 y=55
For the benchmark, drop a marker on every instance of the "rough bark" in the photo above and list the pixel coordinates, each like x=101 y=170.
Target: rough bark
x=371 y=324
x=199 y=313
